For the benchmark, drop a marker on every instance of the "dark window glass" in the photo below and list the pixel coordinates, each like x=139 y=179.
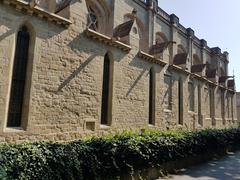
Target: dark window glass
x=180 y=102
x=222 y=104
x=191 y=96
x=18 y=79
x=93 y=20
x=168 y=93
x=105 y=90
x=211 y=102
x=199 y=105
x=151 y=97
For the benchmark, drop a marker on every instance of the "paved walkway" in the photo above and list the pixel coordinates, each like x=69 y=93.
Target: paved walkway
x=226 y=168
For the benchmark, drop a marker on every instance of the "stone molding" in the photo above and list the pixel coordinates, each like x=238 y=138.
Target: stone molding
x=151 y=58
x=107 y=40
x=23 y=6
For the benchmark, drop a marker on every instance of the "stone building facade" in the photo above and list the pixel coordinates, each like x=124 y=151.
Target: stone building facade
x=238 y=106
x=71 y=68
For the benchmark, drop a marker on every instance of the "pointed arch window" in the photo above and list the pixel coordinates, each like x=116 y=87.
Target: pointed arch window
x=228 y=105
x=18 y=78
x=200 y=122
x=99 y=15
x=211 y=102
x=222 y=105
x=92 y=18
x=107 y=86
x=168 y=92
x=152 y=80
x=232 y=114
x=191 y=95
x=180 y=101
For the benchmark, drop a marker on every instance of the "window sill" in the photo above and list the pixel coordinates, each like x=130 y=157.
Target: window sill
x=105 y=127
x=199 y=125
x=179 y=126
x=151 y=125
x=192 y=112
x=167 y=110
x=14 y=130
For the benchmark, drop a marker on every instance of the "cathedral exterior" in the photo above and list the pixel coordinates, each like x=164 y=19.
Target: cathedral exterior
x=69 y=68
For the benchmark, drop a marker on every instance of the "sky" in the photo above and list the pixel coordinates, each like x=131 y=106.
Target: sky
x=216 y=21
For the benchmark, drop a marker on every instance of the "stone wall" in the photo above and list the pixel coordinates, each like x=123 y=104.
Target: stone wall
x=63 y=93
x=238 y=106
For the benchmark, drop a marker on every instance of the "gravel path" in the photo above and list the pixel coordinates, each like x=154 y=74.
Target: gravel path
x=226 y=168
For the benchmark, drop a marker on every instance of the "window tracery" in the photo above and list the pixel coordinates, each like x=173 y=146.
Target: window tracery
x=92 y=18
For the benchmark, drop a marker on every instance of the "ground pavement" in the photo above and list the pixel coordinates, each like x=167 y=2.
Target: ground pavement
x=226 y=168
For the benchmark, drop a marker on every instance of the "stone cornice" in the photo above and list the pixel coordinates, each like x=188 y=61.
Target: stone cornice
x=23 y=6
x=165 y=17
x=179 y=69
x=107 y=40
x=151 y=58
x=201 y=78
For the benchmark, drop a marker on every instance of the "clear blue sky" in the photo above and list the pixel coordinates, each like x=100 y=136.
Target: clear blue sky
x=217 y=21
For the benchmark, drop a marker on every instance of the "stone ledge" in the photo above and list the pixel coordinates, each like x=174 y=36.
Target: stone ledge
x=210 y=82
x=23 y=6
x=151 y=58
x=107 y=40
x=179 y=69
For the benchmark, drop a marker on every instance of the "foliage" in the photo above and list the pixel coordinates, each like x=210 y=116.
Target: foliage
x=107 y=157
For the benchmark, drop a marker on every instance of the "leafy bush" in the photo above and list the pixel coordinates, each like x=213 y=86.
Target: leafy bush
x=107 y=157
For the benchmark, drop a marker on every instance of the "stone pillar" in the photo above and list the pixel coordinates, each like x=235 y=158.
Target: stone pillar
x=152 y=11
x=174 y=36
x=226 y=55
x=190 y=33
x=203 y=54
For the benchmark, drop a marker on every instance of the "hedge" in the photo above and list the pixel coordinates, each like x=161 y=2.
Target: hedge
x=108 y=157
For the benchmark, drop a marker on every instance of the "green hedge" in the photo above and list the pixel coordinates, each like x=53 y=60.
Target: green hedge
x=107 y=157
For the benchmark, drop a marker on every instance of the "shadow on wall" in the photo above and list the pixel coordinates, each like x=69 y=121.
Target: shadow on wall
x=135 y=82
x=75 y=73
x=49 y=30
x=138 y=63
x=78 y=45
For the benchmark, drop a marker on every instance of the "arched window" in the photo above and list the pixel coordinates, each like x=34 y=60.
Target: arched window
x=168 y=92
x=93 y=20
x=107 y=86
x=200 y=121
x=223 y=105
x=228 y=105
x=151 y=117
x=191 y=96
x=196 y=60
x=232 y=114
x=160 y=50
x=211 y=104
x=98 y=16
x=160 y=38
x=18 y=78
x=181 y=49
x=222 y=72
x=180 y=101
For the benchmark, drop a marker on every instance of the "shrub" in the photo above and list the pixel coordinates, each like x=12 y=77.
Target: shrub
x=107 y=157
